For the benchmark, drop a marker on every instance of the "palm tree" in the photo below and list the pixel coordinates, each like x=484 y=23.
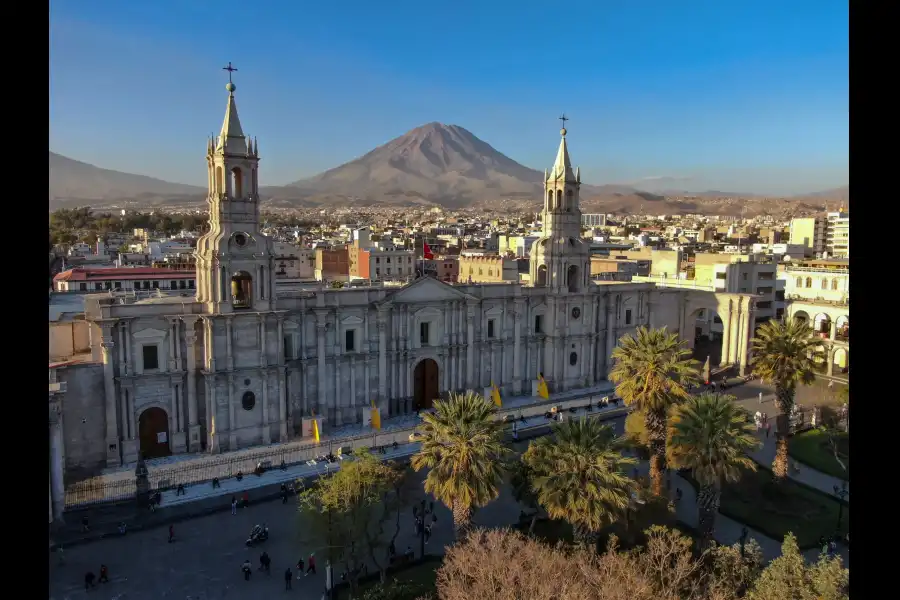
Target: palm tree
x=712 y=435
x=578 y=475
x=653 y=370
x=462 y=444
x=520 y=479
x=783 y=354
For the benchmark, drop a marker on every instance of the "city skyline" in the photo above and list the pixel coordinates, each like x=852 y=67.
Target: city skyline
x=746 y=100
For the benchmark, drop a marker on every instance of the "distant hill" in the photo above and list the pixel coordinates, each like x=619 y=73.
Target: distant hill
x=76 y=182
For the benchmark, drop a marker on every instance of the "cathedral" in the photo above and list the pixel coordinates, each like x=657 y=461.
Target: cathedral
x=241 y=363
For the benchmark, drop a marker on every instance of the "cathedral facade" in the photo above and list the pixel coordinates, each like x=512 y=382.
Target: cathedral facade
x=240 y=363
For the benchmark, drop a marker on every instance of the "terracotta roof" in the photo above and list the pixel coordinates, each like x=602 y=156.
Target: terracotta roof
x=124 y=274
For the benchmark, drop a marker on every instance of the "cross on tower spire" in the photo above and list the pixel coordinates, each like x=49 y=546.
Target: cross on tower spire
x=563 y=118
x=230 y=70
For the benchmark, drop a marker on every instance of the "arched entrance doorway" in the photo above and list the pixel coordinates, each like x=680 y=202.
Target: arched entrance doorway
x=153 y=429
x=425 y=384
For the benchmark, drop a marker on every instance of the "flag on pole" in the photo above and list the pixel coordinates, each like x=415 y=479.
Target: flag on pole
x=495 y=395
x=543 y=392
x=376 y=417
x=426 y=251
x=316 y=430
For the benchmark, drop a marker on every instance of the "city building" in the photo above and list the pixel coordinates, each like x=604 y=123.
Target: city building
x=808 y=232
x=593 y=220
x=83 y=279
x=488 y=269
x=242 y=364
x=837 y=234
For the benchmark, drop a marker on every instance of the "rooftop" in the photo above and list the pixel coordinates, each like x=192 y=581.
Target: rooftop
x=122 y=273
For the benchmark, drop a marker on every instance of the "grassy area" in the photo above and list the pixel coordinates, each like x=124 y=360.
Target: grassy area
x=778 y=508
x=422 y=576
x=813 y=448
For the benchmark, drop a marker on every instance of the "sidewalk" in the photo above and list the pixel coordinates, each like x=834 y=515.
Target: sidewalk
x=823 y=482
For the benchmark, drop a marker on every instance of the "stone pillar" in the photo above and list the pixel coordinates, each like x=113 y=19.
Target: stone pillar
x=354 y=414
x=57 y=481
x=266 y=430
x=833 y=334
x=829 y=356
x=320 y=361
x=282 y=404
x=610 y=334
x=746 y=335
x=382 y=364
x=190 y=341
x=338 y=417
x=726 y=335
x=129 y=358
x=229 y=332
x=517 y=351
x=212 y=433
x=367 y=369
x=113 y=455
x=279 y=342
x=232 y=414
x=470 y=346
x=263 y=350
x=736 y=323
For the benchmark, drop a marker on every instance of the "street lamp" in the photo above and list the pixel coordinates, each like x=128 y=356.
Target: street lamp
x=842 y=493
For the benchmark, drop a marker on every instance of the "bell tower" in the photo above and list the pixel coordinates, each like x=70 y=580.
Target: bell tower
x=234 y=259
x=560 y=258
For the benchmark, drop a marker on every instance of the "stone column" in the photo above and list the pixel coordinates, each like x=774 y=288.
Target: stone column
x=470 y=346
x=726 y=335
x=57 y=481
x=610 y=334
x=354 y=414
x=190 y=341
x=735 y=326
x=382 y=363
x=129 y=358
x=123 y=370
x=368 y=373
x=320 y=361
x=279 y=342
x=229 y=332
x=263 y=350
x=517 y=351
x=829 y=356
x=338 y=417
x=266 y=430
x=746 y=335
x=833 y=335
x=232 y=414
x=212 y=433
x=113 y=456
x=282 y=404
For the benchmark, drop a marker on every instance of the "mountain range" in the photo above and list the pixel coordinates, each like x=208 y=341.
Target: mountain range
x=434 y=164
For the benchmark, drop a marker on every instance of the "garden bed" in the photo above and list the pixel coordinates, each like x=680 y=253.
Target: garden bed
x=813 y=448
x=775 y=509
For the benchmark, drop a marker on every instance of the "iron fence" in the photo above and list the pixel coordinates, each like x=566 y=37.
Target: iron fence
x=92 y=492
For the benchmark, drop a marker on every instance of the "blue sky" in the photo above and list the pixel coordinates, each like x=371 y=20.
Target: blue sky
x=730 y=95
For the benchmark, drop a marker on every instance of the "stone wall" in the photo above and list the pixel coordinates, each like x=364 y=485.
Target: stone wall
x=84 y=420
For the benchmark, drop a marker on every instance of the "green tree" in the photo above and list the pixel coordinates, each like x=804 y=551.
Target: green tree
x=636 y=431
x=343 y=513
x=521 y=476
x=788 y=577
x=733 y=570
x=462 y=445
x=577 y=474
x=783 y=355
x=653 y=370
x=712 y=436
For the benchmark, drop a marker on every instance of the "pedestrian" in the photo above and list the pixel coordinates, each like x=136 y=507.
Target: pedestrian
x=104 y=574
x=233 y=505
x=89 y=580
x=299 y=568
x=179 y=491
x=427 y=532
x=171 y=533
x=84 y=524
x=284 y=497
x=760 y=397
x=678 y=495
x=265 y=563
x=247 y=569
x=246 y=499
x=768 y=427
x=288 y=576
x=311 y=564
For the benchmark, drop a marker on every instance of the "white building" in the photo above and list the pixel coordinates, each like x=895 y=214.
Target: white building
x=239 y=365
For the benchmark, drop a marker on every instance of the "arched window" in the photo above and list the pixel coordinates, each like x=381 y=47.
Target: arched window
x=241 y=290
x=237 y=183
x=570 y=204
x=542 y=275
x=834 y=284
x=572 y=278
x=824 y=284
x=558 y=198
x=220 y=180
x=799 y=282
x=809 y=282
x=549 y=198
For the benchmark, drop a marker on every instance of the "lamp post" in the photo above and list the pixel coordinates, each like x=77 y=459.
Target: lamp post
x=842 y=493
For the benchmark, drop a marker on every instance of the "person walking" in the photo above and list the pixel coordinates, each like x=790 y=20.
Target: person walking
x=233 y=505
x=171 y=533
x=265 y=563
x=104 y=575
x=299 y=568
x=89 y=580
x=768 y=427
x=311 y=564
x=84 y=524
x=288 y=577
x=247 y=569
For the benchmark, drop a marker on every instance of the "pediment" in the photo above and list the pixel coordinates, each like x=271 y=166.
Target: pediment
x=290 y=325
x=351 y=320
x=426 y=289
x=145 y=334
x=494 y=311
